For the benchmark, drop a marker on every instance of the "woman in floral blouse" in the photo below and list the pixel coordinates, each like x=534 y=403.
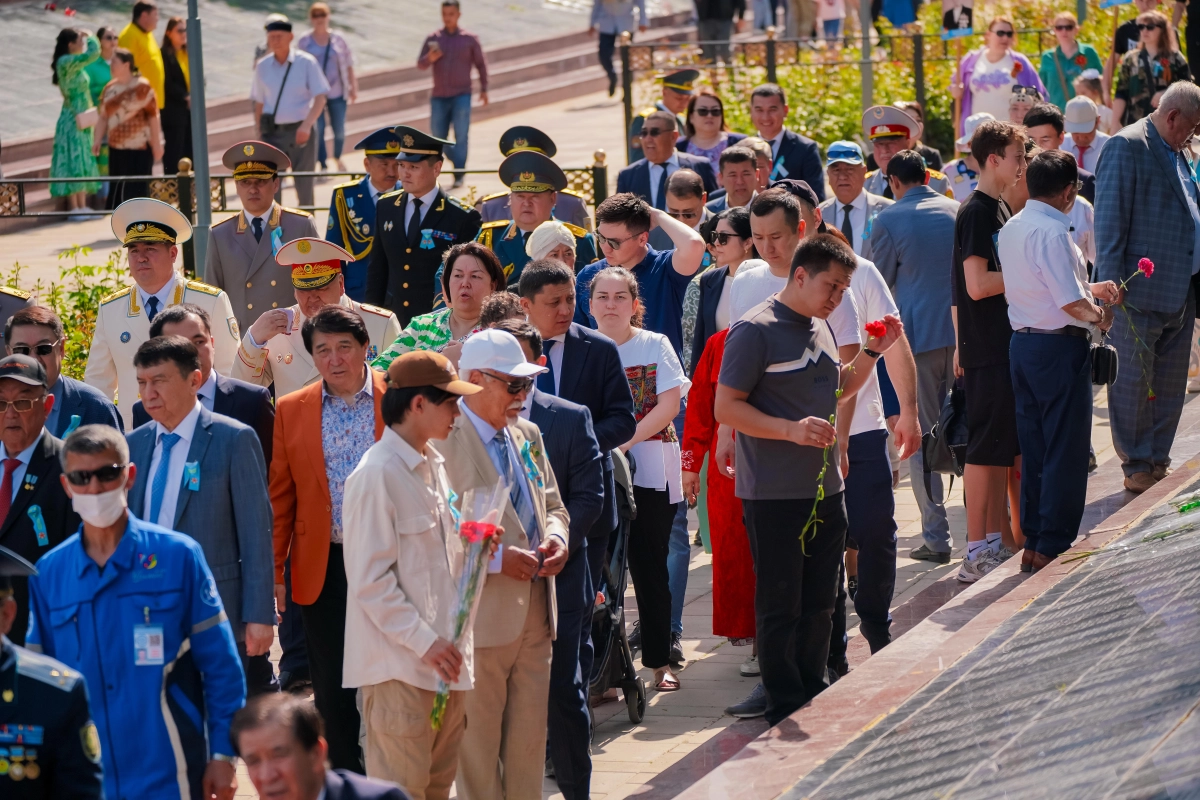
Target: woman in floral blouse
x=1147 y=71
x=471 y=273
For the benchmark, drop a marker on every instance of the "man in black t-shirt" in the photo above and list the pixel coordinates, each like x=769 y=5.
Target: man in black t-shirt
x=982 y=333
x=1127 y=38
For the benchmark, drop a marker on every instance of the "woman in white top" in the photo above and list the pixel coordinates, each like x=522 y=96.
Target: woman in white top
x=730 y=244
x=658 y=385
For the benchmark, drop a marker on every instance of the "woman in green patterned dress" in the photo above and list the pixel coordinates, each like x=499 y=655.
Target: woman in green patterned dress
x=471 y=273
x=73 y=52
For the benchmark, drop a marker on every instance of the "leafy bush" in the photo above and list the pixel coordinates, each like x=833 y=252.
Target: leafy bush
x=75 y=298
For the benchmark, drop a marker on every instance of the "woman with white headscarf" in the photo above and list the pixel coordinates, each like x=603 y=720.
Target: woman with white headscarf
x=552 y=239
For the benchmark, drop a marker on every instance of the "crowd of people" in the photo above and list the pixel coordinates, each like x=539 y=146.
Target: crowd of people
x=745 y=326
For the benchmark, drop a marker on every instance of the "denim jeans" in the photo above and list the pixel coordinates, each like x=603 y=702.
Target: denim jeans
x=335 y=107
x=456 y=111
x=679 y=554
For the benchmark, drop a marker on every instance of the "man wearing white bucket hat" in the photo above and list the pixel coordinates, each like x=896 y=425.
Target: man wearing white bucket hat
x=963 y=171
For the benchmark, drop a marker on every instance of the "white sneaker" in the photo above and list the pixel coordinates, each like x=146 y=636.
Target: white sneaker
x=749 y=667
x=1004 y=555
x=971 y=571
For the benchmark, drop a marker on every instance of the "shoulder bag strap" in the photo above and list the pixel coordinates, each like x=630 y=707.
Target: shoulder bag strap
x=1062 y=78
x=282 y=83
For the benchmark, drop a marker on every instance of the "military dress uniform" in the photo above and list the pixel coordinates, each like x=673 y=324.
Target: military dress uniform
x=241 y=264
x=11 y=301
x=49 y=746
x=283 y=359
x=683 y=82
x=570 y=206
x=352 y=213
x=122 y=324
x=889 y=122
x=403 y=265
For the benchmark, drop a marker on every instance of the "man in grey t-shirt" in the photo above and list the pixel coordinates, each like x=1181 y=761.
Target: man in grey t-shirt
x=778 y=389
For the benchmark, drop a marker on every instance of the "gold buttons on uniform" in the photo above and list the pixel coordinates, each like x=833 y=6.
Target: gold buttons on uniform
x=406 y=286
x=247 y=284
x=406 y=304
x=408 y=249
x=406 y=266
x=274 y=305
x=272 y=283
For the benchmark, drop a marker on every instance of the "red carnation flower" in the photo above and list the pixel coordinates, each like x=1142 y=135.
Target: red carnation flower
x=1017 y=67
x=876 y=329
x=1081 y=60
x=1146 y=267
x=70 y=12
x=50 y=7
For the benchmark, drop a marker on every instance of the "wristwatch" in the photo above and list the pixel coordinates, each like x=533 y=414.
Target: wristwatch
x=871 y=352
x=223 y=757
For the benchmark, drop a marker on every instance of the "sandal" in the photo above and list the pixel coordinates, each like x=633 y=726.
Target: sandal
x=665 y=681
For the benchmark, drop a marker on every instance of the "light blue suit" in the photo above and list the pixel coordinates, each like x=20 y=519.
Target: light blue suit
x=229 y=514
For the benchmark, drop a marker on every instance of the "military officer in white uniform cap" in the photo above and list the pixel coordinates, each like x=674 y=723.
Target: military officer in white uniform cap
x=890 y=130
x=151 y=232
x=273 y=351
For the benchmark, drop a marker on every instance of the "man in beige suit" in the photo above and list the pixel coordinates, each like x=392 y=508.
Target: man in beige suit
x=242 y=248
x=507 y=709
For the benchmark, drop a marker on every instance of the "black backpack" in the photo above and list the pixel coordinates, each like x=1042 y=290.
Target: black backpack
x=944 y=449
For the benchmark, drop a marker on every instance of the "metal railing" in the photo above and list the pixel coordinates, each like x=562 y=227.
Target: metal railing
x=179 y=190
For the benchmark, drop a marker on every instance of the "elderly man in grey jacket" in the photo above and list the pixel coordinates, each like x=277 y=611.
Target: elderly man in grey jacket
x=1148 y=207
x=912 y=243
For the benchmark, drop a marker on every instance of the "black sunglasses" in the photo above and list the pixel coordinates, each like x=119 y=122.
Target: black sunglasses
x=1142 y=26
x=1004 y=34
x=644 y=132
x=514 y=387
x=1064 y=27
x=722 y=238
x=40 y=349
x=707 y=112
x=82 y=477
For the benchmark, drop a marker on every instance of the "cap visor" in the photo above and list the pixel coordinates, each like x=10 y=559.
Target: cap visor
x=523 y=370
x=1079 y=127
x=847 y=160
x=23 y=379
x=460 y=388
x=962 y=143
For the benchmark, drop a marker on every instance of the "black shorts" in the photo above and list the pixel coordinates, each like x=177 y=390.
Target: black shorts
x=991 y=416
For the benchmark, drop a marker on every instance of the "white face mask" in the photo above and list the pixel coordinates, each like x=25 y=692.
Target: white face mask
x=100 y=510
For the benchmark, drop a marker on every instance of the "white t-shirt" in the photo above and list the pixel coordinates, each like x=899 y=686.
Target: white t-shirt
x=991 y=86
x=651 y=367
x=1083 y=228
x=754 y=283
x=831 y=9
x=870 y=298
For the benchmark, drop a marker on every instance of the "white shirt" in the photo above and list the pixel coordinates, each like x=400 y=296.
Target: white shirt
x=305 y=81
x=208 y=391
x=1043 y=269
x=250 y=219
x=426 y=201
x=164 y=295
x=179 y=453
x=774 y=142
x=658 y=461
x=1083 y=228
x=858 y=219
x=555 y=357
x=1091 y=156
x=871 y=299
x=24 y=457
x=670 y=165
x=752 y=284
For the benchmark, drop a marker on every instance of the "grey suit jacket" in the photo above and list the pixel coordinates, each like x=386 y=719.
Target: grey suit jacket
x=1141 y=212
x=912 y=245
x=246 y=268
x=229 y=515
x=831 y=214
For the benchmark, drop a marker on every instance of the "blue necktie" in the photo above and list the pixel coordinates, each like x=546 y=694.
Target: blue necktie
x=545 y=381
x=524 y=508
x=159 y=487
x=660 y=199
x=152 y=307
x=257 y=229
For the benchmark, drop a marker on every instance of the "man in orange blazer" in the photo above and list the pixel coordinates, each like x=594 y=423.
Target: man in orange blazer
x=321 y=432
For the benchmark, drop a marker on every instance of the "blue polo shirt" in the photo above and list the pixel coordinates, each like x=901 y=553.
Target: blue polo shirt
x=661 y=289
x=149 y=634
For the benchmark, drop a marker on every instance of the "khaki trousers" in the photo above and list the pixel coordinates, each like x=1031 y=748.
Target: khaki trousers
x=801 y=19
x=401 y=746
x=503 y=753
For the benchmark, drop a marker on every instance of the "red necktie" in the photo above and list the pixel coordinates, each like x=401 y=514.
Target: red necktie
x=6 y=487
x=1079 y=158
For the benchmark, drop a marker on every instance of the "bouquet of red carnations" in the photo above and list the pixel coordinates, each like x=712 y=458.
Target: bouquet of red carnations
x=477 y=520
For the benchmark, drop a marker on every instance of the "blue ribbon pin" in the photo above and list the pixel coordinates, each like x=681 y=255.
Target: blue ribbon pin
x=427 y=239
x=531 y=469
x=191 y=476
x=39 y=525
x=75 y=420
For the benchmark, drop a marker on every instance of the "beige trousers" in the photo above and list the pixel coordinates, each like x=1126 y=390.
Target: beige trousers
x=401 y=746
x=504 y=751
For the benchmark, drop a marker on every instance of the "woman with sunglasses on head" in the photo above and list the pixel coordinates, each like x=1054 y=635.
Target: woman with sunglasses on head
x=1146 y=72
x=658 y=385
x=1062 y=65
x=705 y=128
x=985 y=77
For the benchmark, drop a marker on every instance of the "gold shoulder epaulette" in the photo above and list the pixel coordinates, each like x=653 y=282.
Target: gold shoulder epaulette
x=228 y=219
x=573 y=193
x=872 y=172
x=933 y=173
x=116 y=295
x=495 y=195
x=298 y=212
x=394 y=193
x=21 y=293
x=370 y=309
x=645 y=112
x=576 y=230
x=346 y=185
x=500 y=223
x=454 y=201
x=204 y=288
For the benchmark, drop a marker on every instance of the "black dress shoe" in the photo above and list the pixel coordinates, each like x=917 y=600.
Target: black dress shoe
x=612 y=85
x=923 y=553
x=676 y=648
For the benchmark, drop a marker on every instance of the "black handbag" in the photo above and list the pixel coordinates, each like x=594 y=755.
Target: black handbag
x=1104 y=364
x=266 y=122
x=944 y=449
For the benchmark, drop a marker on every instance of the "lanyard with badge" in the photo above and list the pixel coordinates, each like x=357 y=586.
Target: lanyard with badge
x=148 y=643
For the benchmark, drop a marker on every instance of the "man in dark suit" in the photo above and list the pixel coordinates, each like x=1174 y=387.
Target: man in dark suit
x=37 y=331
x=647 y=177
x=585 y=370
x=414 y=227
x=271 y=725
x=203 y=474
x=35 y=514
x=574 y=456
x=794 y=155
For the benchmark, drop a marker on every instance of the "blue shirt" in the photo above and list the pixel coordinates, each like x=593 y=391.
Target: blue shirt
x=155 y=590
x=1188 y=181
x=347 y=433
x=661 y=289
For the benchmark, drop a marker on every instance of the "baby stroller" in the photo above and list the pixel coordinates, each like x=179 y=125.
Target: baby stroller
x=613 y=666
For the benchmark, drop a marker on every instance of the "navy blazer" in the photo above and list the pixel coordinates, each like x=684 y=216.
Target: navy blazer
x=231 y=518
x=636 y=177
x=342 y=784
x=248 y=403
x=799 y=158
x=574 y=455
x=711 y=284
x=40 y=497
x=80 y=404
x=1088 y=190
x=592 y=376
